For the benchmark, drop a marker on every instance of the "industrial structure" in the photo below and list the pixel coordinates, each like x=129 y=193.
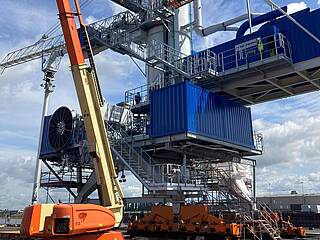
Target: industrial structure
x=186 y=134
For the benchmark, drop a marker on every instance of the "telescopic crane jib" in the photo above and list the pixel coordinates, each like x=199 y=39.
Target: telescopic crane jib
x=68 y=220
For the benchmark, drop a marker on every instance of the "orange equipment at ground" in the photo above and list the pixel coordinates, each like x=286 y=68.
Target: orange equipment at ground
x=288 y=230
x=72 y=221
x=191 y=221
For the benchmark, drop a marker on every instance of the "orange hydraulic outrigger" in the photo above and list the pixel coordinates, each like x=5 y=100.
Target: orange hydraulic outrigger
x=82 y=221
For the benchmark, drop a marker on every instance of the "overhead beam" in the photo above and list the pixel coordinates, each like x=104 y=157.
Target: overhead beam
x=230 y=84
x=235 y=94
x=281 y=94
x=306 y=77
x=278 y=86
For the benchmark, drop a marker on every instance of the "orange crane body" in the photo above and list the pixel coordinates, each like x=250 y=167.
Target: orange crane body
x=69 y=221
x=82 y=221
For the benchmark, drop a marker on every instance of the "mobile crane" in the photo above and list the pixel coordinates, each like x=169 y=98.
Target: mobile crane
x=82 y=221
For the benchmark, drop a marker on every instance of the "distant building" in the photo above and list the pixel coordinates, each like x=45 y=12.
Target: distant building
x=293 y=202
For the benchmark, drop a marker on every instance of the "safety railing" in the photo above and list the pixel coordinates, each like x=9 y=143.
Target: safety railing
x=141 y=94
x=204 y=62
x=160 y=53
x=258 y=140
x=166 y=174
x=113 y=31
x=254 y=52
x=137 y=95
x=267 y=214
x=136 y=158
x=156 y=4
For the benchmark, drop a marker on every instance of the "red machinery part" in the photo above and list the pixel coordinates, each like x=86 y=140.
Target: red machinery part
x=179 y=3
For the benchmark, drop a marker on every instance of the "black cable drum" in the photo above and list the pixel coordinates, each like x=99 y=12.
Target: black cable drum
x=60 y=128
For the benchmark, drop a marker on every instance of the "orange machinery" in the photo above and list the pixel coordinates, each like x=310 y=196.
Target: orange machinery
x=160 y=219
x=287 y=230
x=178 y=3
x=82 y=221
x=69 y=221
x=191 y=221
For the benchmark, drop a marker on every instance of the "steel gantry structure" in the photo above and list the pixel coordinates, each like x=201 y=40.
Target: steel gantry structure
x=146 y=32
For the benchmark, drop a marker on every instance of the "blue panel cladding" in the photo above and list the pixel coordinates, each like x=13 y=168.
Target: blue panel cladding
x=165 y=119
x=204 y=112
x=46 y=148
x=302 y=45
x=186 y=108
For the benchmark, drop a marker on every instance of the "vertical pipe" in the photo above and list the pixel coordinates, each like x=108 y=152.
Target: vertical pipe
x=191 y=33
x=254 y=185
x=184 y=168
x=249 y=15
x=37 y=175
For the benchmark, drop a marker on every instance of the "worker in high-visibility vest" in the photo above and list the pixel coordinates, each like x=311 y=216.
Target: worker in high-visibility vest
x=260 y=47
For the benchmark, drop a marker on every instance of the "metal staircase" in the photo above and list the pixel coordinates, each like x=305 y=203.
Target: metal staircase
x=268 y=224
x=106 y=33
x=219 y=184
x=262 y=224
x=135 y=159
x=121 y=33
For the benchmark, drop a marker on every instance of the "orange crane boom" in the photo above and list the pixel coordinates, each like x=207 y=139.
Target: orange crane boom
x=82 y=221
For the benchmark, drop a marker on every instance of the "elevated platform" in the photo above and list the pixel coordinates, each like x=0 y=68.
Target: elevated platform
x=279 y=60
x=268 y=82
x=199 y=146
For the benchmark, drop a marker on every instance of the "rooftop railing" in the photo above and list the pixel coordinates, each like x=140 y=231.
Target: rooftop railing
x=255 y=52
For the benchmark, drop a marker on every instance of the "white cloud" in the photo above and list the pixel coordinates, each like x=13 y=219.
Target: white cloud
x=291 y=142
x=90 y=19
x=17 y=168
x=116 y=8
x=281 y=180
x=295 y=7
x=291 y=137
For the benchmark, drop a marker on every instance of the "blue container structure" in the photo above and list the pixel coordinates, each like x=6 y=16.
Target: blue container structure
x=186 y=108
x=276 y=34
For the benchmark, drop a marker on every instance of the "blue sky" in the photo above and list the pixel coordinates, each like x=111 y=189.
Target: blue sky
x=290 y=126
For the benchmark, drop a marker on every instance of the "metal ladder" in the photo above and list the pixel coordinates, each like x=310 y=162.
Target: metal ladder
x=249 y=224
x=268 y=223
x=134 y=158
x=258 y=227
x=159 y=53
x=225 y=186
